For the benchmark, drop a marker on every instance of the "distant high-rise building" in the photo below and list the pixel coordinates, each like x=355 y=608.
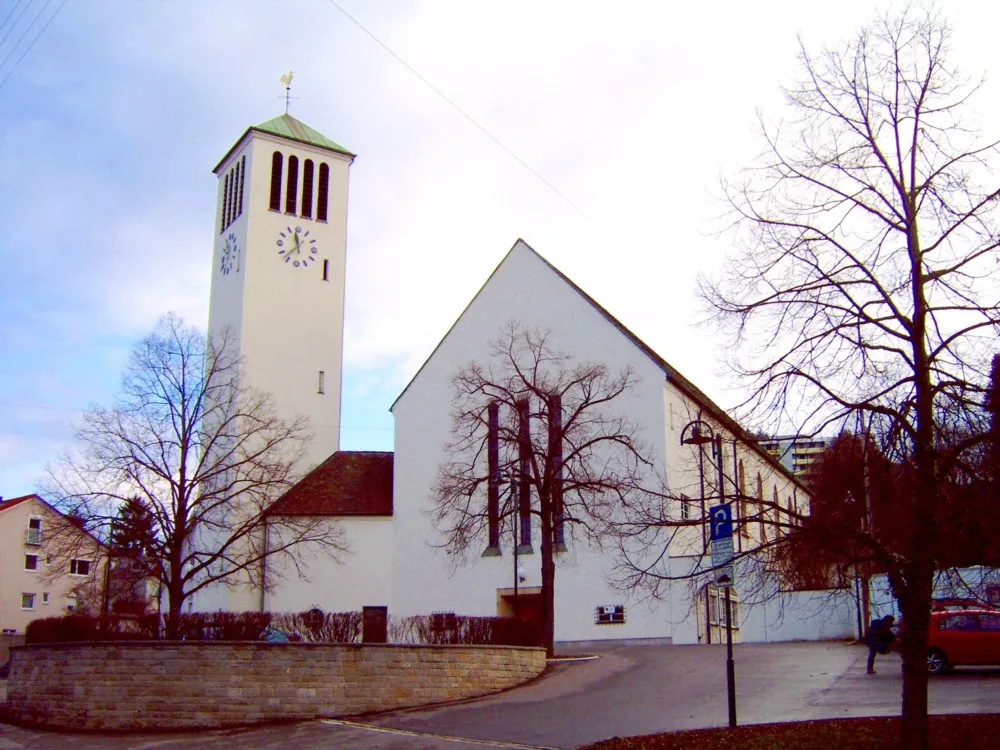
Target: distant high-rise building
x=796 y=453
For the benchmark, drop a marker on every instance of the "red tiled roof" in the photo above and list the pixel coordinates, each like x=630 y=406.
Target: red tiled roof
x=6 y=504
x=348 y=483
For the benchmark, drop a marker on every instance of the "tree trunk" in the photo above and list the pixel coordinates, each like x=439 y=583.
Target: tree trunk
x=548 y=578
x=915 y=608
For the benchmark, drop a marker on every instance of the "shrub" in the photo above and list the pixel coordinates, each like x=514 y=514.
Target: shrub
x=72 y=628
x=316 y=626
x=224 y=626
x=460 y=629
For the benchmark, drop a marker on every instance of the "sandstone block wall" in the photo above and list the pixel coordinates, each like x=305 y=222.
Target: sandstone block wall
x=175 y=685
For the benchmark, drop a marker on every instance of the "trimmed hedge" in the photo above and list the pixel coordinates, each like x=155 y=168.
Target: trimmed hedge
x=314 y=626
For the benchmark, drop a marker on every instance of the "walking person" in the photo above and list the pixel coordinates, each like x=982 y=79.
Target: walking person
x=879 y=638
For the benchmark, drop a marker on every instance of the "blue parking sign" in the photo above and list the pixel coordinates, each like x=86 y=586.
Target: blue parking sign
x=721 y=522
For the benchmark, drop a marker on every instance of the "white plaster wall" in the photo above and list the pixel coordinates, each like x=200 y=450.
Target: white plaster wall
x=776 y=616
x=361 y=578
x=426 y=579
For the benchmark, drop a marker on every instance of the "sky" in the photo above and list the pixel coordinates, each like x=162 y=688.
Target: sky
x=598 y=132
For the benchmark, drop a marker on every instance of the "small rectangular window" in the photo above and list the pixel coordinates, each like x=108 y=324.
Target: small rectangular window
x=326 y=270
x=71 y=602
x=79 y=567
x=27 y=601
x=322 y=382
x=33 y=534
x=45 y=597
x=610 y=614
x=685 y=508
x=31 y=562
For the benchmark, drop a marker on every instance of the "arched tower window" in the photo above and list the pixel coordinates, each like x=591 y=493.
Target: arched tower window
x=243 y=165
x=276 y=181
x=292 y=186
x=225 y=205
x=307 y=189
x=323 y=192
x=231 y=213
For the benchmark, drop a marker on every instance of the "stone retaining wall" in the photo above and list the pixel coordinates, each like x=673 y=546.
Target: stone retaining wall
x=186 y=685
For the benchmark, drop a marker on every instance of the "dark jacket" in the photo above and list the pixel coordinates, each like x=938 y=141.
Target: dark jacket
x=880 y=635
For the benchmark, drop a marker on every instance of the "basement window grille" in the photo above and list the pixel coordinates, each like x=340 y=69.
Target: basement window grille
x=610 y=614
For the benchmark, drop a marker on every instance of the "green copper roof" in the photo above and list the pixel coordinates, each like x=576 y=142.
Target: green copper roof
x=288 y=127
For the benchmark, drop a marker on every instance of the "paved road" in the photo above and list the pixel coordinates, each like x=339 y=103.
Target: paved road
x=635 y=690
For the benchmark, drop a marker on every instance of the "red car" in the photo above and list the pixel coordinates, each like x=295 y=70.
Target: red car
x=963 y=637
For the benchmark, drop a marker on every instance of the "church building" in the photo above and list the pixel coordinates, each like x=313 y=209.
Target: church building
x=278 y=282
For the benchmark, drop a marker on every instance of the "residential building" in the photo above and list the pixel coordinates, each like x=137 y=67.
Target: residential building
x=48 y=565
x=795 y=452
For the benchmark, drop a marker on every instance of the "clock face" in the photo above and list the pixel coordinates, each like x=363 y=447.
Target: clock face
x=230 y=255
x=296 y=247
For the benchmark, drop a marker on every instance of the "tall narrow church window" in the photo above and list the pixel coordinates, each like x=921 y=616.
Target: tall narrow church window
x=243 y=165
x=323 y=192
x=493 y=469
x=326 y=270
x=292 y=186
x=225 y=203
x=760 y=509
x=307 y=189
x=322 y=382
x=556 y=456
x=524 y=469
x=276 y=181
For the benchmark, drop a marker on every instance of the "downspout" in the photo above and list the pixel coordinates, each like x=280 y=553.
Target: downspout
x=263 y=569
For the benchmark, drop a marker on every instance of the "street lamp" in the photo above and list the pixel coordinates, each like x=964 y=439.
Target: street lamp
x=698 y=437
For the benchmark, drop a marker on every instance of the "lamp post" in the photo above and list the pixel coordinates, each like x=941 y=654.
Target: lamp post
x=715 y=438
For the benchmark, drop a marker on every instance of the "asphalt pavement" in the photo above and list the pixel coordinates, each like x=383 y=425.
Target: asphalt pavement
x=627 y=690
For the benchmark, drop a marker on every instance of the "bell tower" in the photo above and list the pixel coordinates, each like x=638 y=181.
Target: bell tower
x=278 y=269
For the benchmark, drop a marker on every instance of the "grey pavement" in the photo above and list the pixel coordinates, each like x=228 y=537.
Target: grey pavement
x=628 y=690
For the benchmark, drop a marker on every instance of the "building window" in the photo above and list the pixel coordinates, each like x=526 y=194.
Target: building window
x=322 y=382
x=31 y=562
x=760 y=508
x=33 y=535
x=323 y=192
x=610 y=614
x=27 y=601
x=71 y=602
x=326 y=270
x=292 y=185
x=685 y=508
x=307 y=189
x=79 y=567
x=276 y=160
x=45 y=597
x=224 y=218
x=743 y=506
x=239 y=189
x=493 y=478
x=524 y=473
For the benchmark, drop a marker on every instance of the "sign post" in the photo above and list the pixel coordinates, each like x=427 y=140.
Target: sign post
x=721 y=527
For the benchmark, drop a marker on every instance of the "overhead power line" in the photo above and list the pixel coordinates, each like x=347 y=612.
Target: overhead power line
x=32 y=42
x=461 y=111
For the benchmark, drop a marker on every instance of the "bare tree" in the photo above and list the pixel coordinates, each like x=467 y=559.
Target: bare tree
x=204 y=453
x=532 y=415
x=864 y=295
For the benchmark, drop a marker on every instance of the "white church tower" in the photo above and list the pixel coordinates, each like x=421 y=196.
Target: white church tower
x=278 y=269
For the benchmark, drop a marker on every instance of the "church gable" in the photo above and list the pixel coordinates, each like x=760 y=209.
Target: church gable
x=348 y=483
